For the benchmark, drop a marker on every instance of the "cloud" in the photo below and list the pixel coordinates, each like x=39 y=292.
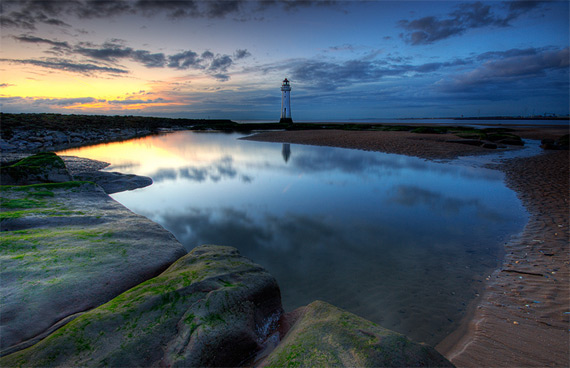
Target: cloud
x=28 y=14
x=222 y=63
x=510 y=66
x=67 y=65
x=4 y=85
x=137 y=101
x=215 y=65
x=113 y=51
x=110 y=51
x=431 y=29
x=33 y=39
x=240 y=54
x=66 y=101
x=218 y=170
x=332 y=75
x=184 y=60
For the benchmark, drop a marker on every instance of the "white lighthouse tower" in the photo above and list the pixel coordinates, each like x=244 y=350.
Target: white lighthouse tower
x=285 y=102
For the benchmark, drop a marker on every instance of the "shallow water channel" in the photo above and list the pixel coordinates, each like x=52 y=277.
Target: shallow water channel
x=404 y=242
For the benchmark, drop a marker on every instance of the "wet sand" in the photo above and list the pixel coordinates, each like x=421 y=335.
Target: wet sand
x=522 y=318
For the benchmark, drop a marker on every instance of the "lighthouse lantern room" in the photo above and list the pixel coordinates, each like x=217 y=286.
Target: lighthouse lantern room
x=285 y=102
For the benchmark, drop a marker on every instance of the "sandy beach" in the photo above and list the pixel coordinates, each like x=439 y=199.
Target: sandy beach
x=522 y=318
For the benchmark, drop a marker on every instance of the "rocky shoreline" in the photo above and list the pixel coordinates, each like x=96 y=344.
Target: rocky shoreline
x=53 y=140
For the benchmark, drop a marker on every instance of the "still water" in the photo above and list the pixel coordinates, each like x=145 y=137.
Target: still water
x=404 y=242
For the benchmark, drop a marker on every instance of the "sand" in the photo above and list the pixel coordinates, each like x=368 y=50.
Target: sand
x=522 y=318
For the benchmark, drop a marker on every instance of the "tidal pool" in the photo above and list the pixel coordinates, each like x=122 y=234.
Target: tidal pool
x=404 y=242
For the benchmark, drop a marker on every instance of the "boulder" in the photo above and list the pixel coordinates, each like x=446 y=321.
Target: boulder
x=212 y=307
x=326 y=336
x=67 y=248
x=40 y=168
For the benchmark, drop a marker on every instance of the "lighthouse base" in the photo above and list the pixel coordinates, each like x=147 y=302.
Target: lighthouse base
x=286 y=120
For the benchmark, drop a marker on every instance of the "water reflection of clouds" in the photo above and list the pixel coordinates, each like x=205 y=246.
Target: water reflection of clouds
x=311 y=159
x=413 y=196
x=216 y=171
x=320 y=256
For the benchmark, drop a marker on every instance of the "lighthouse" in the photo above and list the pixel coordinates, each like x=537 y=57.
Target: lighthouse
x=285 y=102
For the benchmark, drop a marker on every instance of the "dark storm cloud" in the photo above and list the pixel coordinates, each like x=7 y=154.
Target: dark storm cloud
x=67 y=65
x=430 y=29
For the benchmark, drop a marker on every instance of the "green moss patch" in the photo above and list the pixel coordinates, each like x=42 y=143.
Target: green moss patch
x=328 y=336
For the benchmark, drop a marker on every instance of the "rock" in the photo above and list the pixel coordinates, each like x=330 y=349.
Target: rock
x=5 y=146
x=326 y=336
x=210 y=308
x=39 y=168
x=114 y=182
x=489 y=145
x=559 y=144
x=67 y=248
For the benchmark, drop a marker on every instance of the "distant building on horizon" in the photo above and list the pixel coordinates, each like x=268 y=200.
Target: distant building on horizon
x=285 y=102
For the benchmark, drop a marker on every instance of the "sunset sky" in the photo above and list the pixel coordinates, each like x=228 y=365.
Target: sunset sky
x=226 y=59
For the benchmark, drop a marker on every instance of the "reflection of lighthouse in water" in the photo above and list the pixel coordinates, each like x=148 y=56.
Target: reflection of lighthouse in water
x=286 y=151
x=285 y=102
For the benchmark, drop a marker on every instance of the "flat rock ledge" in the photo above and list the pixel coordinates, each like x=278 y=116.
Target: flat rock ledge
x=67 y=248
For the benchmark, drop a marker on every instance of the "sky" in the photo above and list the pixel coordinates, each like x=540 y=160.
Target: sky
x=227 y=59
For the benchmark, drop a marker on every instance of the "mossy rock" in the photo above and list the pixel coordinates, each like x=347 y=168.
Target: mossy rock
x=39 y=168
x=327 y=336
x=212 y=307
x=66 y=248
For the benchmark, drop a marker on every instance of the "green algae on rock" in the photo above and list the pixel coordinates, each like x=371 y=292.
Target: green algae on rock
x=44 y=167
x=210 y=308
x=67 y=248
x=327 y=336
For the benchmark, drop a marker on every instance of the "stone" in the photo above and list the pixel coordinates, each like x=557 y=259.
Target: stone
x=67 y=248
x=326 y=336
x=558 y=144
x=5 y=146
x=39 y=168
x=114 y=182
x=210 y=308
